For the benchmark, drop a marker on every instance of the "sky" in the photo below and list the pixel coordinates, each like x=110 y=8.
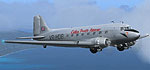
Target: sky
x=17 y=15
x=116 y=3
x=54 y=10
x=101 y=3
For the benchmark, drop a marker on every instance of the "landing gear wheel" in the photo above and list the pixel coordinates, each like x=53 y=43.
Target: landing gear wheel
x=120 y=48
x=93 y=50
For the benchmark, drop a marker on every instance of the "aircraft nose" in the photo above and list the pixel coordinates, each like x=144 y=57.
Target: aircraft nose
x=132 y=34
x=135 y=35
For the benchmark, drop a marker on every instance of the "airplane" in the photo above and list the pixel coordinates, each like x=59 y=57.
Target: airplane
x=95 y=38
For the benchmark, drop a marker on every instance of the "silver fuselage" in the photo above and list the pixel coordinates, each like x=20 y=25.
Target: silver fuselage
x=111 y=31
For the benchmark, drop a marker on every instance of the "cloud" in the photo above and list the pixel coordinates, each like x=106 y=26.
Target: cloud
x=140 y=19
x=19 y=15
x=60 y=13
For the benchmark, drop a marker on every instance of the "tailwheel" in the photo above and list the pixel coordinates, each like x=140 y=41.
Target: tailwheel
x=93 y=50
x=120 y=48
x=44 y=46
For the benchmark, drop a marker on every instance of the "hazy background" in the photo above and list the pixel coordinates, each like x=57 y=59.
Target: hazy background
x=16 y=18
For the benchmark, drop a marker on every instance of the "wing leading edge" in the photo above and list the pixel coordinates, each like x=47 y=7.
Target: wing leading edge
x=53 y=43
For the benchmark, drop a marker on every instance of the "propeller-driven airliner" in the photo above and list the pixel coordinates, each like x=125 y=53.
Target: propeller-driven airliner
x=96 y=37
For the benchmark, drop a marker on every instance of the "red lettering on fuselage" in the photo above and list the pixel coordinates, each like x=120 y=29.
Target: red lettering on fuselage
x=84 y=30
x=93 y=30
x=74 y=32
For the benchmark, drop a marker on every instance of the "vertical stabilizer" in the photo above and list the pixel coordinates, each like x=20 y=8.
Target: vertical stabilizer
x=39 y=26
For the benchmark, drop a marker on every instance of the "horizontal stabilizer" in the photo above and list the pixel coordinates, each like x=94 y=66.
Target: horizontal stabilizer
x=33 y=37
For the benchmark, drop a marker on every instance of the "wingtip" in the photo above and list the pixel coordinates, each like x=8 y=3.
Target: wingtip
x=3 y=41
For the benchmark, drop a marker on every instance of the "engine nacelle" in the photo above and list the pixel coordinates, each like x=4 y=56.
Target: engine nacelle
x=101 y=42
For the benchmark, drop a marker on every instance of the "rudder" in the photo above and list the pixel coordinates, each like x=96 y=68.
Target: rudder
x=39 y=26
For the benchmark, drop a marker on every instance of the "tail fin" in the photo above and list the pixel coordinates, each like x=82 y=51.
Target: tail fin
x=39 y=26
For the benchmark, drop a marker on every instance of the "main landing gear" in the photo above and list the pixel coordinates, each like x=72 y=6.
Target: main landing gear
x=123 y=47
x=95 y=50
x=120 y=48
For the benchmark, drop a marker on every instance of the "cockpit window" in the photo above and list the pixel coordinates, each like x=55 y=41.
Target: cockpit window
x=125 y=28
x=128 y=28
x=132 y=30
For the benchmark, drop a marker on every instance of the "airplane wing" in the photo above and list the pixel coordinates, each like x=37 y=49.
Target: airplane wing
x=53 y=43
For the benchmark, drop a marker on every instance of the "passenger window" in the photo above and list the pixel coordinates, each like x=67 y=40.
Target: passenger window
x=94 y=33
x=100 y=32
x=72 y=35
x=88 y=33
x=106 y=32
x=77 y=34
x=67 y=35
x=82 y=34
